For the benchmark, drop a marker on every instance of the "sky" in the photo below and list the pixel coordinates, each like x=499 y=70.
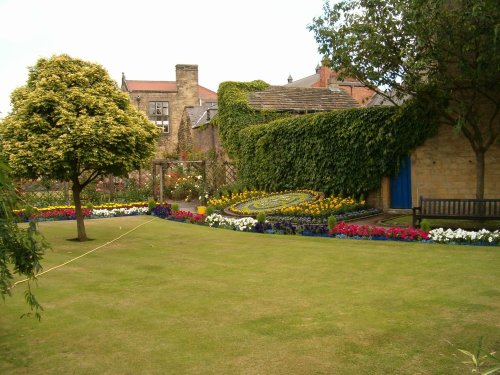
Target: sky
x=228 y=40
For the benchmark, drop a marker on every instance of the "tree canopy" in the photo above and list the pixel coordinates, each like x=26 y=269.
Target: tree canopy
x=71 y=122
x=443 y=53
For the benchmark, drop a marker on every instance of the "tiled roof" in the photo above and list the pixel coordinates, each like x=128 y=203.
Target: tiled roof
x=163 y=86
x=206 y=94
x=198 y=115
x=300 y=99
x=167 y=86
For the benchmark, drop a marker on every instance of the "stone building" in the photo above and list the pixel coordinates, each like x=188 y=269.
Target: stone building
x=164 y=102
x=327 y=78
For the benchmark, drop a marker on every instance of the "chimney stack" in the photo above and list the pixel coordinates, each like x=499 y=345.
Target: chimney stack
x=187 y=83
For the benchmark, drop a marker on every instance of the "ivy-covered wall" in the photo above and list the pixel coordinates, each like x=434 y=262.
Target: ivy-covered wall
x=342 y=152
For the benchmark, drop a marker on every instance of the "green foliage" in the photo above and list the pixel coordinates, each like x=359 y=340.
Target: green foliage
x=21 y=250
x=261 y=217
x=481 y=358
x=71 y=122
x=235 y=114
x=210 y=210
x=175 y=207
x=343 y=152
x=332 y=221
x=151 y=204
x=444 y=53
x=425 y=225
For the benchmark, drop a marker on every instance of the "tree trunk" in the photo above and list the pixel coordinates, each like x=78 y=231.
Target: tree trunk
x=80 y=224
x=479 y=174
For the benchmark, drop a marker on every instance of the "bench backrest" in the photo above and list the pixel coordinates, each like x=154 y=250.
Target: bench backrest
x=461 y=207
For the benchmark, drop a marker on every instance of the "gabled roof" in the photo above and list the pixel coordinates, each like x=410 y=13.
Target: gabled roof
x=166 y=86
x=380 y=100
x=201 y=115
x=301 y=99
x=305 y=82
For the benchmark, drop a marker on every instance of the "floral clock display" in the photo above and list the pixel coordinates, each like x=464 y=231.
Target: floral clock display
x=273 y=202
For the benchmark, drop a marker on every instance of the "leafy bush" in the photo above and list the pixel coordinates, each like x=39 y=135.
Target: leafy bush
x=210 y=210
x=425 y=225
x=332 y=221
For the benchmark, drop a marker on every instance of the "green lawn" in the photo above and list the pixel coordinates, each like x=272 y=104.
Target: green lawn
x=172 y=298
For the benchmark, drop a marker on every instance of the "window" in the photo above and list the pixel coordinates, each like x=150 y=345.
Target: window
x=158 y=113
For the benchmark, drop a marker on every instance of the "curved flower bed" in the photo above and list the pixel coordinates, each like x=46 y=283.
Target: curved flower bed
x=228 y=199
x=274 y=202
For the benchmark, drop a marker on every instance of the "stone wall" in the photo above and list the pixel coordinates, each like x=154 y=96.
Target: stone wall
x=168 y=141
x=206 y=139
x=445 y=167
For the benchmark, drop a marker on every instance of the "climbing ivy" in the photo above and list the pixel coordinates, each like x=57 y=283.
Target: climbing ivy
x=235 y=113
x=343 y=152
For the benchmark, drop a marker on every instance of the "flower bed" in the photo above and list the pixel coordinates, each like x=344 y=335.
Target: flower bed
x=275 y=202
x=292 y=204
x=227 y=200
x=460 y=236
x=344 y=229
x=54 y=213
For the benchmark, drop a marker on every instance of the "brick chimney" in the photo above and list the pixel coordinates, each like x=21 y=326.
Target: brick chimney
x=187 y=83
x=324 y=76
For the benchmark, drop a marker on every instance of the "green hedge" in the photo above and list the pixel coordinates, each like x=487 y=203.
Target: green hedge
x=340 y=152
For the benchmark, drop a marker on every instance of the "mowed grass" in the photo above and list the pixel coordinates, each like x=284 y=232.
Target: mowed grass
x=173 y=298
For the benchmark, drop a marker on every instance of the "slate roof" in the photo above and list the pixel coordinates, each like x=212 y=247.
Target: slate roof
x=305 y=82
x=301 y=99
x=380 y=100
x=198 y=115
x=166 y=86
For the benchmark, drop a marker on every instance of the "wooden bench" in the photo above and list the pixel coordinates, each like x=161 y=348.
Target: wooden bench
x=469 y=209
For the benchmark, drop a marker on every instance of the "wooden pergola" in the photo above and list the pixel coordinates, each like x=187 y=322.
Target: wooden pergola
x=165 y=165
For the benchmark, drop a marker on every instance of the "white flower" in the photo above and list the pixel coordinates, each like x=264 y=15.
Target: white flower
x=460 y=235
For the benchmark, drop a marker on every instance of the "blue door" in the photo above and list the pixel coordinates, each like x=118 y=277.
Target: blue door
x=401 y=185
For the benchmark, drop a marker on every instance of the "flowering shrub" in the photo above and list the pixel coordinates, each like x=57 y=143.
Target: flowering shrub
x=244 y=224
x=467 y=237
x=344 y=229
x=187 y=188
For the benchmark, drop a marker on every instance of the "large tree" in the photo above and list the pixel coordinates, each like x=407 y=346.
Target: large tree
x=443 y=53
x=21 y=250
x=71 y=122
